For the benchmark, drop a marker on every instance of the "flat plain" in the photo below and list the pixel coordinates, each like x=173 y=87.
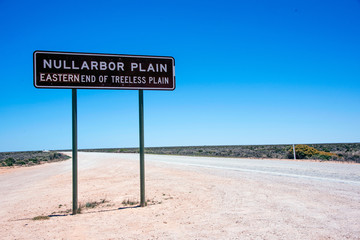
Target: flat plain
x=188 y=198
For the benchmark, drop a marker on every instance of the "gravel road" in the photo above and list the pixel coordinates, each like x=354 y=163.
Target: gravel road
x=189 y=198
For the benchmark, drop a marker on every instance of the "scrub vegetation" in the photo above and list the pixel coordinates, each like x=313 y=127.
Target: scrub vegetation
x=8 y=159
x=129 y=202
x=40 y=218
x=347 y=152
x=88 y=205
x=303 y=151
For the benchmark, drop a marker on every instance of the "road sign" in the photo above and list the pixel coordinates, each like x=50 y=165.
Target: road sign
x=103 y=71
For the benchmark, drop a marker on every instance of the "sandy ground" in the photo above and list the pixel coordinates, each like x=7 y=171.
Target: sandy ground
x=184 y=203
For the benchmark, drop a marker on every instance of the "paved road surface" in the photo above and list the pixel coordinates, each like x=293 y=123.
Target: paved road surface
x=324 y=171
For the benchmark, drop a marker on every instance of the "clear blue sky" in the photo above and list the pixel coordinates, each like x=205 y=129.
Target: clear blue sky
x=248 y=72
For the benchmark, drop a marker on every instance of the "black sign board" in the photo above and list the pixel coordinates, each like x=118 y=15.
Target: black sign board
x=103 y=71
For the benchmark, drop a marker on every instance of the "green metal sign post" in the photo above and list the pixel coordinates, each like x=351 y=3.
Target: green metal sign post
x=142 y=155
x=74 y=151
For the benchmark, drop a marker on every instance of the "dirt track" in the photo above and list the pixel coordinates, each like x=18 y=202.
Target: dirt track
x=185 y=202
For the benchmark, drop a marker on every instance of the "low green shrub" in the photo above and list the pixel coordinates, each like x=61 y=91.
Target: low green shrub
x=10 y=162
x=34 y=160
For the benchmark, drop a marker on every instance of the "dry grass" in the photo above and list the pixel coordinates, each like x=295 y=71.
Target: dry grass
x=40 y=218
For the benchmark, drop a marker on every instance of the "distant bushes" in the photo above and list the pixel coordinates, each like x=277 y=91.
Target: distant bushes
x=9 y=162
x=9 y=159
x=260 y=151
x=335 y=151
x=306 y=152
